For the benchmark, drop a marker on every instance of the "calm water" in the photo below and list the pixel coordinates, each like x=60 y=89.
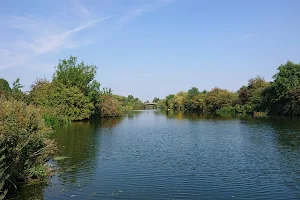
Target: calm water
x=151 y=155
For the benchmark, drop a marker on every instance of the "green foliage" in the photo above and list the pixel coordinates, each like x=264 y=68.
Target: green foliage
x=193 y=92
x=280 y=97
x=4 y=85
x=130 y=98
x=16 y=92
x=225 y=111
x=155 y=100
x=287 y=79
x=170 y=101
x=67 y=103
x=219 y=98
x=24 y=138
x=180 y=101
x=196 y=103
x=108 y=91
x=54 y=119
x=284 y=92
x=131 y=103
x=162 y=104
x=250 y=98
x=80 y=80
x=17 y=85
x=75 y=105
x=109 y=106
x=71 y=74
x=3 y=175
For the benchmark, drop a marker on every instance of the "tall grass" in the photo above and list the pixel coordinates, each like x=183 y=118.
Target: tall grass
x=56 y=121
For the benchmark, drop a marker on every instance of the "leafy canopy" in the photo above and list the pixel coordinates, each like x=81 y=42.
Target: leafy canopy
x=71 y=74
x=4 y=85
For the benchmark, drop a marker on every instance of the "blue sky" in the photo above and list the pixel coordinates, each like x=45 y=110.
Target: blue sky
x=150 y=48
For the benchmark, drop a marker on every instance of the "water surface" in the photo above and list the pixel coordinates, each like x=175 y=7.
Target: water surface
x=154 y=155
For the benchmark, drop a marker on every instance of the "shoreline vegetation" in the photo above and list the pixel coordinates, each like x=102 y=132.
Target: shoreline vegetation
x=28 y=119
x=258 y=98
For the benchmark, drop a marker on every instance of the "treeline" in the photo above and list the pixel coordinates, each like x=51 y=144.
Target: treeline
x=27 y=118
x=73 y=94
x=258 y=97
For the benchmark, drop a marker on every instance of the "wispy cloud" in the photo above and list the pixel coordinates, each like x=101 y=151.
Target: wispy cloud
x=79 y=10
x=51 y=43
x=38 y=35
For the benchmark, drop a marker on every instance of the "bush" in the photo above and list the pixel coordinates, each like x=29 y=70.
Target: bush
x=55 y=119
x=3 y=176
x=218 y=98
x=229 y=110
x=24 y=140
x=61 y=104
x=109 y=106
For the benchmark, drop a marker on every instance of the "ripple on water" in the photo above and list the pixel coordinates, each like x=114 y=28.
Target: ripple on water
x=149 y=155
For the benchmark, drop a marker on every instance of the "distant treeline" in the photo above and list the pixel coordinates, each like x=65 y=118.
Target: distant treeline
x=258 y=97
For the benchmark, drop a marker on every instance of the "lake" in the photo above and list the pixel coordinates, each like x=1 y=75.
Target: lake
x=158 y=155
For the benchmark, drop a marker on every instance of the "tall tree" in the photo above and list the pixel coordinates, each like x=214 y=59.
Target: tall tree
x=70 y=73
x=155 y=100
x=193 y=92
x=286 y=87
x=250 y=98
x=287 y=79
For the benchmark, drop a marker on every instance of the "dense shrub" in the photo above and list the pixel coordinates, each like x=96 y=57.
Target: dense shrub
x=229 y=110
x=4 y=85
x=218 y=98
x=61 y=103
x=3 y=175
x=24 y=141
x=109 y=106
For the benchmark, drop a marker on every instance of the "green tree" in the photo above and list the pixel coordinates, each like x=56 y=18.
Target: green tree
x=250 y=98
x=4 y=85
x=197 y=103
x=283 y=96
x=130 y=98
x=287 y=79
x=218 y=98
x=170 y=101
x=193 y=92
x=155 y=100
x=71 y=74
x=61 y=100
x=195 y=100
x=17 y=92
x=180 y=100
x=162 y=104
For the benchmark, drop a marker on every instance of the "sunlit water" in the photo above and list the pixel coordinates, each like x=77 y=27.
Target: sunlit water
x=154 y=155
